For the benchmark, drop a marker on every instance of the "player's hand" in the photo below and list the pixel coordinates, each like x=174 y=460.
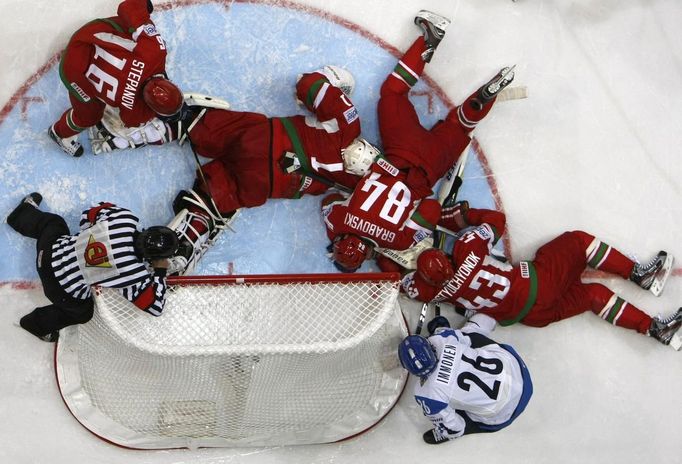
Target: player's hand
x=454 y=217
x=436 y=323
x=161 y=263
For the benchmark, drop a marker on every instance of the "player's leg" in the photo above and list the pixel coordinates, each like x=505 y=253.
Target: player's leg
x=31 y=222
x=73 y=121
x=601 y=256
x=477 y=106
x=396 y=113
x=223 y=133
x=45 y=322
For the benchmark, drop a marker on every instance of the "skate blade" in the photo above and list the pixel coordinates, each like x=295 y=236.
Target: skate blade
x=441 y=22
x=662 y=276
x=676 y=341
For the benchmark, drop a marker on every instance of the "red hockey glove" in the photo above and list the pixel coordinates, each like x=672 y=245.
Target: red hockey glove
x=454 y=217
x=134 y=13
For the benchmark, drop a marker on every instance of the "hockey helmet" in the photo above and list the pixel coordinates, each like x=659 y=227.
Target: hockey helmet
x=156 y=242
x=417 y=355
x=349 y=252
x=162 y=96
x=434 y=267
x=339 y=77
x=359 y=156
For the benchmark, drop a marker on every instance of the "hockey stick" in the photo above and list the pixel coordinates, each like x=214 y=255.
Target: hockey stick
x=422 y=317
x=447 y=193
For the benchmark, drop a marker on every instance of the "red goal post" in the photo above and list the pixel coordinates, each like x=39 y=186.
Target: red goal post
x=238 y=361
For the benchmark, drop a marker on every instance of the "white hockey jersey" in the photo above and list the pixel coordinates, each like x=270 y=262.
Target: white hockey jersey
x=475 y=380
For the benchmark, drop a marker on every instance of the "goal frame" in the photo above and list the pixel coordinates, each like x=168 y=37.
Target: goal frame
x=120 y=439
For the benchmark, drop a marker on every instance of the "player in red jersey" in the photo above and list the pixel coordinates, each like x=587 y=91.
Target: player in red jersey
x=388 y=208
x=256 y=157
x=117 y=62
x=538 y=292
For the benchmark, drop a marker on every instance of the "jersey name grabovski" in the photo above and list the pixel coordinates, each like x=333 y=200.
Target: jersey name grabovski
x=485 y=381
x=103 y=254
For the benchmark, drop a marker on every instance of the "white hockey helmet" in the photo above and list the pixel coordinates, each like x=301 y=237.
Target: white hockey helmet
x=359 y=156
x=339 y=77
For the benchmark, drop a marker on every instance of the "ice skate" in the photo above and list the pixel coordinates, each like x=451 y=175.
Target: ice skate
x=665 y=329
x=653 y=276
x=69 y=145
x=494 y=86
x=52 y=337
x=436 y=437
x=33 y=199
x=433 y=26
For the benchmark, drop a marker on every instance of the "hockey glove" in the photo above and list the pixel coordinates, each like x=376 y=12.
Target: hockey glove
x=454 y=217
x=101 y=140
x=436 y=323
x=290 y=163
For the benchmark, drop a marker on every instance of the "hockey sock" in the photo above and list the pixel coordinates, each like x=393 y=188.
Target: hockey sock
x=601 y=256
x=617 y=311
x=65 y=127
x=408 y=70
x=467 y=115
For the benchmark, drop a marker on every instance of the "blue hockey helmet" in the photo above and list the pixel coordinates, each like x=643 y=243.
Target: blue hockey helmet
x=417 y=356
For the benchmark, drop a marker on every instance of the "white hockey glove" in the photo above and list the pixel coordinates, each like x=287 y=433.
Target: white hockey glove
x=339 y=77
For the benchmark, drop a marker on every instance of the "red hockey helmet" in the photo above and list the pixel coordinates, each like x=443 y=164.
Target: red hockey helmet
x=162 y=96
x=349 y=252
x=434 y=267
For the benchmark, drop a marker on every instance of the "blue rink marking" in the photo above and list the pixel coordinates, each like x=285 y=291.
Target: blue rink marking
x=250 y=55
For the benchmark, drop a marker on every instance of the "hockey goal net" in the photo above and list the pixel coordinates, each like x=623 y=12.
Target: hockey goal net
x=237 y=361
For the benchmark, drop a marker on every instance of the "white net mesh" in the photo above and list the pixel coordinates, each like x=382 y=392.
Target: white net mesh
x=236 y=364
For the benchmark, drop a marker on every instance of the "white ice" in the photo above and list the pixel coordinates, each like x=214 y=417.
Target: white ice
x=594 y=147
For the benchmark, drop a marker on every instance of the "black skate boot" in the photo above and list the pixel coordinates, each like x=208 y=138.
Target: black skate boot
x=663 y=329
x=493 y=87
x=69 y=145
x=436 y=437
x=433 y=26
x=31 y=200
x=52 y=337
x=652 y=276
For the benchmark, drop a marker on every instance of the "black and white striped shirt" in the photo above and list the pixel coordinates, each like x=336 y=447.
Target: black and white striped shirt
x=103 y=253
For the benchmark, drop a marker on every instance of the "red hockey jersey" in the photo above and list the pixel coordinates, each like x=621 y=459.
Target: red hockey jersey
x=110 y=59
x=482 y=282
x=382 y=210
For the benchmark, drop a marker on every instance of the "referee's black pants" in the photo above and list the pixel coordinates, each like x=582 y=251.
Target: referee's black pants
x=65 y=310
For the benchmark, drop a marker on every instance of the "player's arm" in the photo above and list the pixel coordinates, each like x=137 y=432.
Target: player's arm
x=419 y=225
x=151 y=295
x=324 y=96
x=446 y=421
x=415 y=287
x=461 y=216
x=96 y=213
x=478 y=327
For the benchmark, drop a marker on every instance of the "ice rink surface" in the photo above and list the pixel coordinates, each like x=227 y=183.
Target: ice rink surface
x=595 y=146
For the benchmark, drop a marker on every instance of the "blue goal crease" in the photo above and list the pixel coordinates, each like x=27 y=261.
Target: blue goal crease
x=250 y=56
